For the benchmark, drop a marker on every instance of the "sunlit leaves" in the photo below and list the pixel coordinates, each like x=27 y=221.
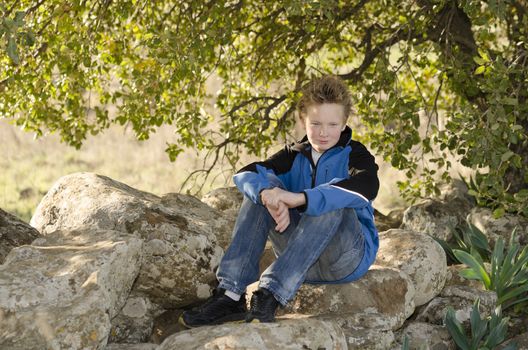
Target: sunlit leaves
x=425 y=95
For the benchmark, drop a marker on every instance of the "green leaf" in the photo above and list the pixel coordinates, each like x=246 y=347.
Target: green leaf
x=478 y=326
x=498 y=213
x=12 y=51
x=510 y=101
x=513 y=293
x=470 y=261
x=507 y=155
x=470 y=274
x=496 y=335
x=478 y=60
x=480 y=70
x=455 y=330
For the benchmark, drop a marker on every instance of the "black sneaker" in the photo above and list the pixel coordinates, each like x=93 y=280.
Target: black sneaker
x=218 y=309
x=263 y=306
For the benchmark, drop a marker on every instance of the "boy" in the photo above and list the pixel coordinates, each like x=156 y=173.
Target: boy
x=313 y=201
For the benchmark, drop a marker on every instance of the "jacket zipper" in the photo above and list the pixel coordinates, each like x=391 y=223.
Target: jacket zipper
x=314 y=172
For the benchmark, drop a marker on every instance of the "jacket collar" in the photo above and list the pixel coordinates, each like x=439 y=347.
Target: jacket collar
x=304 y=145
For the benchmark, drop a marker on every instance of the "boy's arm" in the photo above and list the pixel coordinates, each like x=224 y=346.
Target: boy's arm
x=363 y=173
x=356 y=191
x=256 y=177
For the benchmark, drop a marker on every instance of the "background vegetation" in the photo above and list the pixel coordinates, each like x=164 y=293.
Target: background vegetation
x=431 y=78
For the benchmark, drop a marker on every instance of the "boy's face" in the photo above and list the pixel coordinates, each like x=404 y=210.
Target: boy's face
x=323 y=124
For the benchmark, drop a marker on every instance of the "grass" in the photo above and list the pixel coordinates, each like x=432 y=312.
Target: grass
x=29 y=167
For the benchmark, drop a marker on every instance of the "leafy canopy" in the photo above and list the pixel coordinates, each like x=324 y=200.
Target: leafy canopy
x=430 y=78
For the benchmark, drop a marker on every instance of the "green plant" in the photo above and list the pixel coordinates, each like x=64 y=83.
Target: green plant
x=405 y=345
x=424 y=92
x=485 y=333
x=469 y=239
x=508 y=274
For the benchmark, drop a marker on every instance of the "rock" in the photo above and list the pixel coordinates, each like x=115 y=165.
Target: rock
x=436 y=218
x=453 y=278
x=143 y=346
x=456 y=190
x=14 y=233
x=62 y=291
x=419 y=256
x=226 y=200
x=268 y=257
x=135 y=321
x=382 y=299
x=307 y=333
x=180 y=232
x=493 y=228
x=425 y=336
x=461 y=299
x=520 y=340
x=165 y=325
x=386 y=222
x=368 y=338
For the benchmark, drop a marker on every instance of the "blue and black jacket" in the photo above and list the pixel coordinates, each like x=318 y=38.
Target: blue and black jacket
x=345 y=177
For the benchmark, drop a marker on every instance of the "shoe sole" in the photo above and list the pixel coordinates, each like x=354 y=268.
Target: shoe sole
x=256 y=320
x=237 y=318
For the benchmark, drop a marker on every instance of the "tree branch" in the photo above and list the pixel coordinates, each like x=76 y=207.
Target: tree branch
x=34 y=7
x=372 y=53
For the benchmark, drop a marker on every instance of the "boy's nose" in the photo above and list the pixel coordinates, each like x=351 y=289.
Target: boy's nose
x=322 y=132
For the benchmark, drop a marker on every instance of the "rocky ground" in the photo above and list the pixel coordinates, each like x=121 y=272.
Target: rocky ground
x=106 y=266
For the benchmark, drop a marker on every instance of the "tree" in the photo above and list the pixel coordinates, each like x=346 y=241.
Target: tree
x=430 y=77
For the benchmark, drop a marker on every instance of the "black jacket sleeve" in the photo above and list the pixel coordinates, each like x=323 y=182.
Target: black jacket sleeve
x=362 y=171
x=281 y=162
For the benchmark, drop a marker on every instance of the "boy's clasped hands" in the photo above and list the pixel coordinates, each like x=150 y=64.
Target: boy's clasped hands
x=278 y=202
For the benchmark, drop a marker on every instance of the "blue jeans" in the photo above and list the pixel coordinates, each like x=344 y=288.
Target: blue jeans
x=313 y=249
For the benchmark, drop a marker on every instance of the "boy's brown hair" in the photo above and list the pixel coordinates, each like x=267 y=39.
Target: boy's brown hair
x=327 y=89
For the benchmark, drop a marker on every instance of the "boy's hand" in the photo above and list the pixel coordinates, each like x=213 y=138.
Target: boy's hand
x=281 y=215
x=275 y=195
x=278 y=201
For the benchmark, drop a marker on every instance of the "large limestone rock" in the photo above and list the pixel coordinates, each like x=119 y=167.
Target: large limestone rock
x=455 y=191
x=419 y=256
x=132 y=346
x=14 y=233
x=225 y=199
x=493 y=228
x=135 y=321
x=382 y=299
x=386 y=222
x=436 y=218
x=180 y=232
x=454 y=278
x=362 y=338
x=461 y=299
x=62 y=291
x=520 y=340
x=305 y=333
x=425 y=336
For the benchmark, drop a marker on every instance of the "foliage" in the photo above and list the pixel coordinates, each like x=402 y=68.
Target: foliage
x=431 y=78
x=486 y=334
x=487 y=195
x=405 y=345
x=508 y=274
x=468 y=239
